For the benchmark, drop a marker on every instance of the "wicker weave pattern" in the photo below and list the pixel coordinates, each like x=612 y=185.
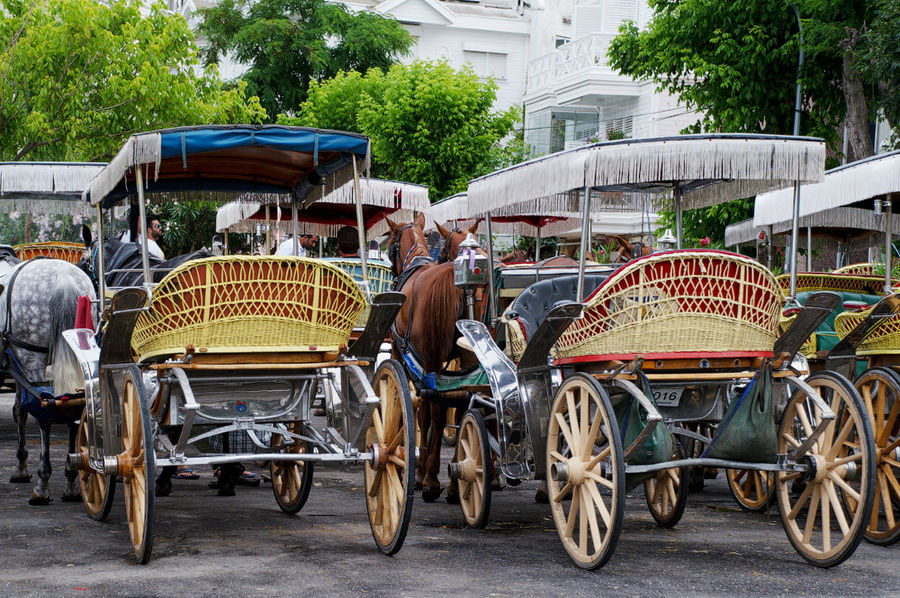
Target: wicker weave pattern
x=839 y=283
x=860 y=269
x=239 y=304
x=679 y=301
x=884 y=340
x=380 y=280
x=809 y=347
x=70 y=252
x=515 y=338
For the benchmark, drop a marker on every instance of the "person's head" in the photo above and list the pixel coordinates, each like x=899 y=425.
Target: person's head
x=154 y=227
x=348 y=241
x=308 y=242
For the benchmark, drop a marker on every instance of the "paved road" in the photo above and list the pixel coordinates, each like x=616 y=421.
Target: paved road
x=207 y=545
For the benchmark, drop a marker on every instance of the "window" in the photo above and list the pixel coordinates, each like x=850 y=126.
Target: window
x=487 y=64
x=560 y=41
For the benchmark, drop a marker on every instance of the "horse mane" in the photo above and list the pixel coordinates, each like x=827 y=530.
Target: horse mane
x=443 y=300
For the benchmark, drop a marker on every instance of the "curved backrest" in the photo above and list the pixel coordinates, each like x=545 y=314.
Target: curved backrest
x=833 y=281
x=689 y=301
x=239 y=304
x=378 y=272
x=882 y=340
x=69 y=252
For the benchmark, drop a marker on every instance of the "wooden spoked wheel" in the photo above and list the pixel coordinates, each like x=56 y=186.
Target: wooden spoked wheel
x=97 y=490
x=667 y=492
x=585 y=464
x=880 y=392
x=473 y=458
x=450 y=432
x=389 y=476
x=137 y=465
x=753 y=490
x=825 y=509
x=291 y=480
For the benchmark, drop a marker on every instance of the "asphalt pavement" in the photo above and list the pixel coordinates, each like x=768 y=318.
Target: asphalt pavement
x=206 y=545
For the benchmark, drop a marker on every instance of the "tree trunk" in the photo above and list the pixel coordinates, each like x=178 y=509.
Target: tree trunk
x=859 y=142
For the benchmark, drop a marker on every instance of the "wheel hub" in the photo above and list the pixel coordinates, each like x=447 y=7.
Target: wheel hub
x=576 y=469
x=467 y=470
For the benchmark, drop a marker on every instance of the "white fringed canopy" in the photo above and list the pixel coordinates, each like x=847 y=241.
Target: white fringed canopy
x=831 y=222
x=453 y=211
x=709 y=169
x=842 y=186
x=46 y=187
x=404 y=198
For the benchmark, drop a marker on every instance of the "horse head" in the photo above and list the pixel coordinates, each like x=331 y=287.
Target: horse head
x=453 y=239
x=627 y=251
x=406 y=242
x=513 y=257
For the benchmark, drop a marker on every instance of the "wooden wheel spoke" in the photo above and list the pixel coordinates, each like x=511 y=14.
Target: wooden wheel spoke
x=886 y=498
x=848 y=426
x=789 y=438
x=563 y=492
x=801 y=501
x=379 y=426
x=575 y=427
x=847 y=488
x=591 y=436
x=811 y=514
x=599 y=479
x=891 y=479
x=583 y=522
x=573 y=512
x=826 y=520
x=396 y=485
x=556 y=455
x=591 y=519
x=804 y=421
x=888 y=427
x=672 y=494
x=597 y=498
x=564 y=428
x=583 y=417
x=598 y=457
x=376 y=482
x=838 y=508
x=466 y=447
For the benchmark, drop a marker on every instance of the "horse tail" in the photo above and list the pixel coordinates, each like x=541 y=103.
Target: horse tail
x=440 y=306
x=67 y=375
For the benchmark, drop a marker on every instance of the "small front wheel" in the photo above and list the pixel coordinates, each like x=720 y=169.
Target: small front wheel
x=473 y=460
x=97 y=489
x=585 y=464
x=752 y=490
x=667 y=492
x=389 y=475
x=291 y=480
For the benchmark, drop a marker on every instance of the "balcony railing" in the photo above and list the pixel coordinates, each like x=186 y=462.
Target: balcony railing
x=584 y=54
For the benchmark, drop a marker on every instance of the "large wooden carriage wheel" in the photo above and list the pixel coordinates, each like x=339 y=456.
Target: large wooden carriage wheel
x=666 y=492
x=97 y=489
x=585 y=464
x=137 y=465
x=753 y=490
x=389 y=480
x=825 y=509
x=880 y=392
x=473 y=458
x=291 y=480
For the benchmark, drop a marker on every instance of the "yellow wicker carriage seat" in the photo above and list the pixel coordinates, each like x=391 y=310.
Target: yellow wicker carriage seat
x=249 y=304
x=70 y=252
x=687 y=303
x=883 y=340
x=524 y=315
x=378 y=272
x=825 y=337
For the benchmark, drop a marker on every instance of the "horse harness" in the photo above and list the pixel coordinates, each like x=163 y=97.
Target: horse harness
x=9 y=339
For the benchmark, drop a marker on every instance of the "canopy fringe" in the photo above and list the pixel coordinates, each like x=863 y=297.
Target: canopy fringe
x=138 y=150
x=27 y=182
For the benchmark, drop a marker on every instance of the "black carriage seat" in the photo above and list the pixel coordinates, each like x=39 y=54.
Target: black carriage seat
x=536 y=301
x=126 y=256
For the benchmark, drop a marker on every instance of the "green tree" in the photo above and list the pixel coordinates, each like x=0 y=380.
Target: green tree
x=429 y=123
x=78 y=76
x=288 y=44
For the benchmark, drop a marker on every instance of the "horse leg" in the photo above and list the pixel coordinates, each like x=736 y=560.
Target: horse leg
x=164 y=480
x=40 y=495
x=431 y=486
x=422 y=412
x=21 y=475
x=72 y=493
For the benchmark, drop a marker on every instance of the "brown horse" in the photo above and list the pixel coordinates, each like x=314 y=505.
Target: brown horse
x=424 y=330
x=627 y=250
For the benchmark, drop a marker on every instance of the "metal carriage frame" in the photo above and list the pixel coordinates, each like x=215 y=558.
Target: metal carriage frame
x=143 y=408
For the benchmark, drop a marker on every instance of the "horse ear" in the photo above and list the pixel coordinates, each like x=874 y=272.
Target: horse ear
x=444 y=232
x=86 y=236
x=474 y=228
x=392 y=225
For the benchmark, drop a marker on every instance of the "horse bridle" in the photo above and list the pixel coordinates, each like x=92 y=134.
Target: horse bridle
x=394 y=250
x=445 y=250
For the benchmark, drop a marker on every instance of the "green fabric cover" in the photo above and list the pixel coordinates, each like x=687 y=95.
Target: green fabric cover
x=446 y=381
x=632 y=419
x=747 y=432
x=826 y=338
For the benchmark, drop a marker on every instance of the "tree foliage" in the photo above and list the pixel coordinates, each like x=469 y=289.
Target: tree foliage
x=78 y=76
x=289 y=43
x=429 y=123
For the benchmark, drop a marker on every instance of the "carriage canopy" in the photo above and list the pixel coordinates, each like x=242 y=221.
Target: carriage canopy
x=266 y=160
x=46 y=187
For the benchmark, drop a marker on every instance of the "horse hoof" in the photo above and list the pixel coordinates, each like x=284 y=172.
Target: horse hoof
x=163 y=490
x=20 y=478
x=541 y=496
x=38 y=501
x=418 y=486
x=71 y=498
x=431 y=494
x=452 y=499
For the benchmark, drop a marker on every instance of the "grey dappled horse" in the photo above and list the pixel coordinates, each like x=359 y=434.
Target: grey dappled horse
x=42 y=302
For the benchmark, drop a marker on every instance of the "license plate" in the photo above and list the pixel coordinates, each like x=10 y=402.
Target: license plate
x=667 y=396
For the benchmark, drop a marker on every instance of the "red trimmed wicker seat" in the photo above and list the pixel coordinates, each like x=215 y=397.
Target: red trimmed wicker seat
x=70 y=252
x=678 y=303
x=249 y=304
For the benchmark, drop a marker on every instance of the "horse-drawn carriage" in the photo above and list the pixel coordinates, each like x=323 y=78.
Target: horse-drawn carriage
x=238 y=343
x=859 y=339
x=672 y=350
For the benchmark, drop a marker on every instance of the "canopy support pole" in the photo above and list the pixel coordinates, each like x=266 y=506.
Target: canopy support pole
x=537 y=246
x=585 y=241
x=295 y=227
x=492 y=312
x=142 y=224
x=769 y=240
x=809 y=267
x=677 y=191
x=268 y=246
x=360 y=224
x=101 y=267
x=888 y=241
x=795 y=238
x=226 y=241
